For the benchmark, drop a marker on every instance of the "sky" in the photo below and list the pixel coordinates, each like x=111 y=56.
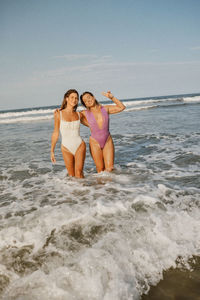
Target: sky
x=135 y=48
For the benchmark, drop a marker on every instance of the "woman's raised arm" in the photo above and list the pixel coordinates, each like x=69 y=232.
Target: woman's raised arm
x=113 y=109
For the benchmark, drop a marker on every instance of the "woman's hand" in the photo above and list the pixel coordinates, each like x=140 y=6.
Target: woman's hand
x=113 y=109
x=108 y=95
x=53 y=158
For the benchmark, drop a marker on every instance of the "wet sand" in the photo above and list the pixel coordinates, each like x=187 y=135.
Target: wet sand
x=177 y=284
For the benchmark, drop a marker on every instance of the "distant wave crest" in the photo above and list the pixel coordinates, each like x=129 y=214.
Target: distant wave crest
x=42 y=114
x=25 y=119
x=25 y=113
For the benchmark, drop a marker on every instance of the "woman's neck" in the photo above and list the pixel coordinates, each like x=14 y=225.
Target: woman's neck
x=95 y=107
x=69 y=109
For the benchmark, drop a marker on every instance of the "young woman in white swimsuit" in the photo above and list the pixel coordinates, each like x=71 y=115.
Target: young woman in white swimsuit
x=67 y=120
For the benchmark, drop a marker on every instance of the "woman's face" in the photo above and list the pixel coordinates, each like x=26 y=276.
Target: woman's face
x=88 y=100
x=72 y=100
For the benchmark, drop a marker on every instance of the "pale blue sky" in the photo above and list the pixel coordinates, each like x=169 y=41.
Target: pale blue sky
x=135 y=48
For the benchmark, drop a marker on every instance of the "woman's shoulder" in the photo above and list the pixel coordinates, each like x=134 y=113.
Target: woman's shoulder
x=82 y=112
x=57 y=113
x=106 y=107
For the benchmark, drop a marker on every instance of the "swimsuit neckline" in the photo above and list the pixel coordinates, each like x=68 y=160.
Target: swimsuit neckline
x=69 y=121
x=96 y=120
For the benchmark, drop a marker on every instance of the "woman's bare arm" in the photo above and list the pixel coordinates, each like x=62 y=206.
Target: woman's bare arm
x=83 y=118
x=55 y=134
x=113 y=109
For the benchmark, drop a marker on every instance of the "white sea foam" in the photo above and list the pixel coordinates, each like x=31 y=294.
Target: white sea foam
x=26 y=113
x=192 y=99
x=26 y=119
x=148 y=101
x=119 y=264
x=141 y=108
x=144 y=235
x=34 y=115
x=108 y=236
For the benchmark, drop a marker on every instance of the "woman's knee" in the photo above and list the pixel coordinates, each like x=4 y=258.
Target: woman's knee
x=99 y=163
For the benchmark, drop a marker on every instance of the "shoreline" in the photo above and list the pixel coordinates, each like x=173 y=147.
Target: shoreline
x=179 y=284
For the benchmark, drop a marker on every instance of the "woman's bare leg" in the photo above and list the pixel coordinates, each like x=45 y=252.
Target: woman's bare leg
x=108 y=154
x=97 y=155
x=69 y=161
x=79 y=160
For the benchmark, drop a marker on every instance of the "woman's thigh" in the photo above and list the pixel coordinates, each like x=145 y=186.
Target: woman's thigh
x=108 y=154
x=97 y=154
x=79 y=160
x=69 y=161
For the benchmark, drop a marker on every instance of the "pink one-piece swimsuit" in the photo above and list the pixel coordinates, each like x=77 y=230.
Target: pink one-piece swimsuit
x=99 y=134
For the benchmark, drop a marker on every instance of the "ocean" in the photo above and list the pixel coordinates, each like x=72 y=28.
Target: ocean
x=126 y=235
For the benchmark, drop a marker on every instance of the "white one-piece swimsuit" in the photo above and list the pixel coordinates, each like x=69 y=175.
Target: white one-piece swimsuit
x=70 y=134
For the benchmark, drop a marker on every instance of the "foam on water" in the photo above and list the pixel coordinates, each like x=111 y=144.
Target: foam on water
x=25 y=113
x=119 y=264
x=148 y=101
x=34 y=115
x=140 y=108
x=103 y=232
x=192 y=99
x=25 y=119
x=107 y=236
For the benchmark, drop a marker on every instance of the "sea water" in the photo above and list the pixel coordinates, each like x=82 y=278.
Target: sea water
x=108 y=236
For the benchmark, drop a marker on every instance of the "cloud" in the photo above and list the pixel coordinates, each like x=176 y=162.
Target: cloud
x=72 y=57
x=100 y=72
x=195 y=48
x=84 y=57
x=126 y=78
x=153 y=50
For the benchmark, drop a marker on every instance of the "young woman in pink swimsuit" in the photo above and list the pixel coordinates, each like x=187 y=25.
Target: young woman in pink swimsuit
x=97 y=118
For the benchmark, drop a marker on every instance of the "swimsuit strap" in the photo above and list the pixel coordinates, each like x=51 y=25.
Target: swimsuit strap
x=104 y=110
x=60 y=114
x=88 y=114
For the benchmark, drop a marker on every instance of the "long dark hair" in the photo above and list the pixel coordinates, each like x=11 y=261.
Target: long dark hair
x=67 y=94
x=81 y=97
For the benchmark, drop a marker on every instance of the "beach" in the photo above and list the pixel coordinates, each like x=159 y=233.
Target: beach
x=111 y=236
x=178 y=283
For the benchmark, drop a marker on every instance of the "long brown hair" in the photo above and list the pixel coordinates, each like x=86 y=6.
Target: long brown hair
x=81 y=97
x=67 y=94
